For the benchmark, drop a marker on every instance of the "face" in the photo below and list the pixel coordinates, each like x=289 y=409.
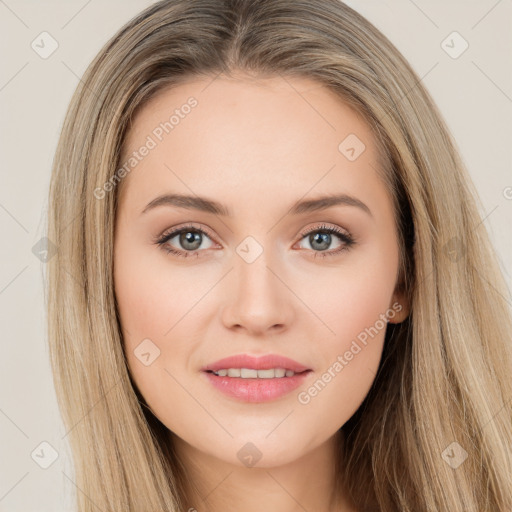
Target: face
x=253 y=264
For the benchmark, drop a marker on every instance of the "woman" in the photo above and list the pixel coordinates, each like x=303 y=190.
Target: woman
x=273 y=290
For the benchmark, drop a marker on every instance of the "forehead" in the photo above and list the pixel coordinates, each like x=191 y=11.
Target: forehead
x=277 y=133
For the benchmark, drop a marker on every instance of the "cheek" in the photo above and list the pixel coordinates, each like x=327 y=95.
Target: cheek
x=352 y=298
x=157 y=306
x=146 y=313
x=152 y=297
x=352 y=305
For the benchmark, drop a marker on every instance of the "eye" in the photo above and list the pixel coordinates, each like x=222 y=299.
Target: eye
x=320 y=238
x=189 y=239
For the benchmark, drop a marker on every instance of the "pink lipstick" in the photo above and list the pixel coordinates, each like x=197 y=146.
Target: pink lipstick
x=256 y=379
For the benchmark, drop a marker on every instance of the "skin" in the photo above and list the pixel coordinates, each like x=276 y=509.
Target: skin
x=256 y=145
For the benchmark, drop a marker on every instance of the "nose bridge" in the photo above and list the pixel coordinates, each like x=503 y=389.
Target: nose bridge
x=259 y=300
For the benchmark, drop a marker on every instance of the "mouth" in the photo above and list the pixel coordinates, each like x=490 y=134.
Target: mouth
x=256 y=379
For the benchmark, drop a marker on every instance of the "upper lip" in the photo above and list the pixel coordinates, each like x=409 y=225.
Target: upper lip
x=265 y=362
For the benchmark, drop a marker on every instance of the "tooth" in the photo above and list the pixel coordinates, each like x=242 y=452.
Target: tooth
x=248 y=373
x=266 y=374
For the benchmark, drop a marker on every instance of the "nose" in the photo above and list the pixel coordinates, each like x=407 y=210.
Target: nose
x=259 y=300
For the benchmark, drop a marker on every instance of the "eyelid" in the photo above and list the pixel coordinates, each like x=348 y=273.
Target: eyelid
x=175 y=230
x=324 y=226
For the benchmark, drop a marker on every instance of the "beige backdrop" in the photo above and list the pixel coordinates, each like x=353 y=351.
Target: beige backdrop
x=473 y=89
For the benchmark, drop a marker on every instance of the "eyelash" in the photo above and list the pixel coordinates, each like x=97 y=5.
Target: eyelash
x=347 y=239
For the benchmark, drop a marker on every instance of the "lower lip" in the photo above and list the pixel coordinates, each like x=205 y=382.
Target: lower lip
x=256 y=390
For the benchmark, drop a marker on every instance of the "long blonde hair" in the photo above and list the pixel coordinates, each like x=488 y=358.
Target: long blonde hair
x=443 y=387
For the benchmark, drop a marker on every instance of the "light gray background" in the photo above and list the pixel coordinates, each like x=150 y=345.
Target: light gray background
x=474 y=93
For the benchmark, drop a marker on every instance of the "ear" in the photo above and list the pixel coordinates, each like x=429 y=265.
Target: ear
x=399 y=307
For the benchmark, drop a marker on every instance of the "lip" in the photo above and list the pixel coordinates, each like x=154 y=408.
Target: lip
x=257 y=363
x=256 y=390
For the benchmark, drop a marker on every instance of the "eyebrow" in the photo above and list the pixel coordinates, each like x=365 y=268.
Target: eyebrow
x=210 y=206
